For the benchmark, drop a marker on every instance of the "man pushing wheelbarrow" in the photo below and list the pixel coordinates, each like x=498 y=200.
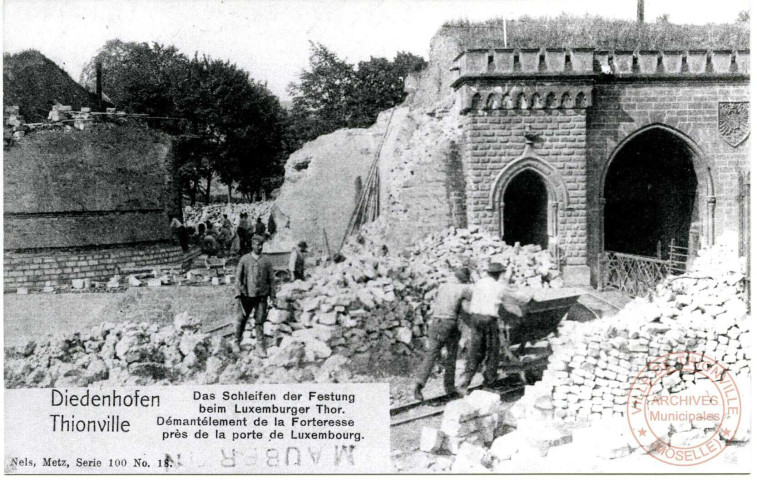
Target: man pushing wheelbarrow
x=488 y=296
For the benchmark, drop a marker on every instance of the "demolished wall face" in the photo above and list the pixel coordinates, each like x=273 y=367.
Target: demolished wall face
x=319 y=190
x=422 y=187
x=435 y=82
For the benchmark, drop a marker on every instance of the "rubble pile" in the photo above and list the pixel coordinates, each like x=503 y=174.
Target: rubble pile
x=194 y=215
x=439 y=253
x=594 y=364
x=702 y=311
x=370 y=301
x=376 y=298
x=147 y=353
x=579 y=404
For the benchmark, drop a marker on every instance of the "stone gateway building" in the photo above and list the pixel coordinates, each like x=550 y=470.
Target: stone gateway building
x=622 y=163
x=587 y=152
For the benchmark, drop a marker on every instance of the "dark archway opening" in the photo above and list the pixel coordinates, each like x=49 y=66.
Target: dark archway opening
x=651 y=196
x=525 y=216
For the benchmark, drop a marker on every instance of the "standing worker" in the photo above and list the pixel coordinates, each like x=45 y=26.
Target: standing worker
x=224 y=239
x=208 y=244
x=226 y=222
x=444 y=331
x=488 y=295
x=271 y=225
x=260 y=228
x=297 y=261
x=180 y=231
x=244 y=232
x=255 y=283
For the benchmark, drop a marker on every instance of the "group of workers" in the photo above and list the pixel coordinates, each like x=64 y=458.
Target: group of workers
x=225 y=239
x=483 y=316
x=459 y=301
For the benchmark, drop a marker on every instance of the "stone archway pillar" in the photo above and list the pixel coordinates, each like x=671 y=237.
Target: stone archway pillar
x=711 y=199
x=601 y=212
x=553 y=220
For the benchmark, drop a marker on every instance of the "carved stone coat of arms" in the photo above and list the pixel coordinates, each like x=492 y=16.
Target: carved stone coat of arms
x=733 y=121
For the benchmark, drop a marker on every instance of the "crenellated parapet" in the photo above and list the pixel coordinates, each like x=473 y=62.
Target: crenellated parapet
x=588 y=61
x=546 y=78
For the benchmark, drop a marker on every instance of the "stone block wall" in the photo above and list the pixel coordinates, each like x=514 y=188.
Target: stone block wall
x=82 y=203
x=33 y=269
x=108 y=184
x=495 y=140
x=86 y=229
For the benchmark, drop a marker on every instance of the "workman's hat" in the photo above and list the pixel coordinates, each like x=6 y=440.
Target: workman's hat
x=495 y=267
x=303 y=244
x=258 y=239
x=462 y=274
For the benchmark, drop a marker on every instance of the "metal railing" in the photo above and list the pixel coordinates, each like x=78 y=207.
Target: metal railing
x=638 y=275
x=633 y=274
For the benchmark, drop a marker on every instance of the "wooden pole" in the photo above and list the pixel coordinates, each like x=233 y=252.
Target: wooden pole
x=640 y=11
x=99 y=85
x=326 y=238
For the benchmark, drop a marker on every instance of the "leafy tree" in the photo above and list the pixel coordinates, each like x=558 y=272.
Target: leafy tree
x=333 y=94
x=380 y=85
x=320 y=99
x=137 y=77
x=227 y=124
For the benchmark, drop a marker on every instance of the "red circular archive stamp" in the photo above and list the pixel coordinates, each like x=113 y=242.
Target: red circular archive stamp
x=683 y=408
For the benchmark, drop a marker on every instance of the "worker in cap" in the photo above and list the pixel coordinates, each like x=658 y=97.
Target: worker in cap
x=487 y=296
x=255 y=284
x=444 y=331
x=297 y=261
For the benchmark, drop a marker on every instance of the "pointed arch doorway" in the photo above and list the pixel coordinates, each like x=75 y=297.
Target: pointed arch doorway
x=657 y=209
x=525 y=210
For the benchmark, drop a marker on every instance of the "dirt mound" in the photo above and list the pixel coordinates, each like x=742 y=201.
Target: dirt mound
x=35 y=83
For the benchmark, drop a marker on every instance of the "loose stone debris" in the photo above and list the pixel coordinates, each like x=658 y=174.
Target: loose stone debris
x=578 y=407
x=371 y=301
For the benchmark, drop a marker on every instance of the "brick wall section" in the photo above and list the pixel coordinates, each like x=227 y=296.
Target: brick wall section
x=33 y=269
x=691 y=107
x=494 y=139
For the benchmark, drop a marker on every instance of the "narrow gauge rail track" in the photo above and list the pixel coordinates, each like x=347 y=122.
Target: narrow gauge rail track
x=509 y=386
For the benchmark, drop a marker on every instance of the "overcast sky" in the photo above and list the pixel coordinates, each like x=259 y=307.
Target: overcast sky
x=269 y=38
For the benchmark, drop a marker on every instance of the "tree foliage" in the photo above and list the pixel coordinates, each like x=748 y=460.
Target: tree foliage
x=227 y=124
x=333 y=94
